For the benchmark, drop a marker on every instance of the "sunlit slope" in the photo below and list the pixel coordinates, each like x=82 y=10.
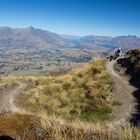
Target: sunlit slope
x=84 y=93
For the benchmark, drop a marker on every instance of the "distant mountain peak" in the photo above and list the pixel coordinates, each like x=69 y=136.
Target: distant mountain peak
x=43 y=38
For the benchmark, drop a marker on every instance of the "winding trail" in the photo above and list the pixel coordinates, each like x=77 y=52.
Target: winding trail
x=7 y=97
x=123 y=92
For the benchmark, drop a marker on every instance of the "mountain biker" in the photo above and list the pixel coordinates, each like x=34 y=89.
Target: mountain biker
x=118 y=53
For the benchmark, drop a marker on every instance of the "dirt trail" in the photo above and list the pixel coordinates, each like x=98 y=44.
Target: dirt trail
x=7 y=97
x=123 y=91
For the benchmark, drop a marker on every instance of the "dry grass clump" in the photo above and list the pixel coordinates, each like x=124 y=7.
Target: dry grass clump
x=21 y=126
x=8 y=81
x=30 y=127
x=84 y=93
x=77 y=130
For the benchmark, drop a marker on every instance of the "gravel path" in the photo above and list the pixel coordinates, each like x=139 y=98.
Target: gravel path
x=123 y=92
x=8 y=95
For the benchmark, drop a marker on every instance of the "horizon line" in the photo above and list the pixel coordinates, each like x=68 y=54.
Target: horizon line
x=76 y=35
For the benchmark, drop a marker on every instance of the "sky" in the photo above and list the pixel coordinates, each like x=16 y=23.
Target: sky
x=74 y=17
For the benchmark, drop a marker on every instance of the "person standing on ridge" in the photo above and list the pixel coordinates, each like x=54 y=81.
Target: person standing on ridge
x=117 y=54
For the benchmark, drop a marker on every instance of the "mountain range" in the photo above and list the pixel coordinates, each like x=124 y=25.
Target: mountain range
x=32 y=37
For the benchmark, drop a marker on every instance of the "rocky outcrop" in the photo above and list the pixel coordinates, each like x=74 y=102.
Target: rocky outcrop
x=130 y=64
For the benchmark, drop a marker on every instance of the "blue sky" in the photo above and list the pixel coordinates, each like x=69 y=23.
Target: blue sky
x=75 y=17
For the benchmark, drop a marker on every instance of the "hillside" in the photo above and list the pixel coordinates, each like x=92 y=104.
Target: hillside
x=126 y=42
x=83 y=94
x=72 y=106
x=28 y=37
x=76 y=105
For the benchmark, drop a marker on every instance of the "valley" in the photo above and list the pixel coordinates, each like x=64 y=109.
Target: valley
x=31 y=51
x=33 y=61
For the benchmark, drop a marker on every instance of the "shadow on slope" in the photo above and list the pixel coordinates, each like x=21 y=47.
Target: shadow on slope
x=5 y=138
x=135 y=81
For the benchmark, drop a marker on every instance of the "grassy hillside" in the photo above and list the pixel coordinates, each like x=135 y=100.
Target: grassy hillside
x=84 y=94
x=64 y=107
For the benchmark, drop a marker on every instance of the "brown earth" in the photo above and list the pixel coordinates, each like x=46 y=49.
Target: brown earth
x=123 y=92
x=8 y=95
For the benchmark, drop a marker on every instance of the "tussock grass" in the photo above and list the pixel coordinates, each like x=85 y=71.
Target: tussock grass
x=84 y=93
x=8 y=81
x=21 y=126
x=30 y=127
